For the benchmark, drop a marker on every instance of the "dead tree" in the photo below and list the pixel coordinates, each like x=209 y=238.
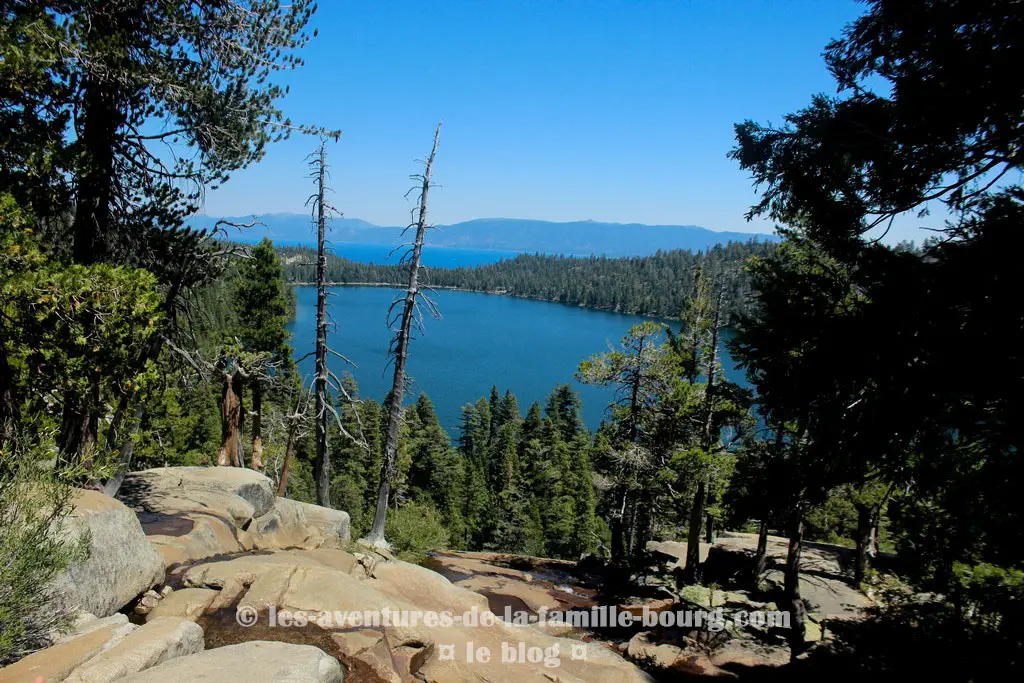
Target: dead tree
x=296 y=422
x=323 y=378
x=400 y=343
x=232 y=412
x=321 y=211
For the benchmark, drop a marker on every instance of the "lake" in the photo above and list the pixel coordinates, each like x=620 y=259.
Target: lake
x=482 y=339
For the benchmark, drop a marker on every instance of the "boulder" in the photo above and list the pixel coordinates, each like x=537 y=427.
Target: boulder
x=158 y=641
x=87 y=623
x=55 y=663
x=673 y=553
x=669 y=656
x=193 y=513
x=660 y=655
x=121 y=565
x=244 y=493
x=254 y=662
x=187 y=603
x=292 y=524
x=367 y=655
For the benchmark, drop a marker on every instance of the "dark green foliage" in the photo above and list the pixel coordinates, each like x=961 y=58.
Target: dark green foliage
x=354 y=468
x=905 y=365
x=528 y=487
x=414 y=529
x=436 y=471
x=262 y=304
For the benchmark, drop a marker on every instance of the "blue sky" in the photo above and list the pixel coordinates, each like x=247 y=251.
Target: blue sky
x=567 y=110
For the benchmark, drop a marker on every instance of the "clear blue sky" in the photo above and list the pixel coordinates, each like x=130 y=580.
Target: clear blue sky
x=567 y=110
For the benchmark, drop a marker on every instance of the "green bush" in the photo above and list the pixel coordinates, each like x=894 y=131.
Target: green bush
x=34 y=502
x=415 y=529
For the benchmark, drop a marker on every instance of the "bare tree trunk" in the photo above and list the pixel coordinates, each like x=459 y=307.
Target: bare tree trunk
x=282 y=484
x=643 y=523
x=124 y=459
x=709 y=520
x=761 y=555
x=80 y=424
x=401 y=350
x=691 y=570
x=798 y=611
x=864 y=527
x=256 y=459
x=294 y=421
x=619 y=531
x=322 y=463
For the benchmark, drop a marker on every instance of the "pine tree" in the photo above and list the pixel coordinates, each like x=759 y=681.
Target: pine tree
x=262 y=309
x=436 y=470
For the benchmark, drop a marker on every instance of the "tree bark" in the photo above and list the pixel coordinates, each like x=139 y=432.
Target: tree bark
x=691 y=572
x=231 y=420
x=864 y=529
x=322 y=462
x=79 y=425
x=709 y=520
x=642 y=525
x=387 y=473
x=619 y=531
x=761 y=555
x=282 y=484
x=124 y=459
x=798 y=611
x=256 y=459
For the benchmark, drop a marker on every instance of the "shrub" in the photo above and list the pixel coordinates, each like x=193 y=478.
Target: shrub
x=414 y=530
x=34 y=501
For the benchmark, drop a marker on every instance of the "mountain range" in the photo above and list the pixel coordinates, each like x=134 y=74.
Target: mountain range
x=581 y=238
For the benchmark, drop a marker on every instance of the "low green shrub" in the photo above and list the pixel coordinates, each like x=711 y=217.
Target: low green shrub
x=415 y=529
x=34 y=502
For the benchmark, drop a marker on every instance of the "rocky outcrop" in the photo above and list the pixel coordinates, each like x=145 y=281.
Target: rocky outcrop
x=158 y=641
x=823 y=583
x=121 y=564
x=292 y=524
x=56 y=663
x=193 y=513
x=331 y=583
x=253 y=662
x=187 y=603
x=232 y=546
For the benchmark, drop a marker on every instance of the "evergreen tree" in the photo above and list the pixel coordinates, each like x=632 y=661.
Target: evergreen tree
x=436 y=469
x=263 y=312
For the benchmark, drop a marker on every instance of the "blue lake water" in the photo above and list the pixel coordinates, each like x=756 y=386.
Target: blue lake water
x=482 y=339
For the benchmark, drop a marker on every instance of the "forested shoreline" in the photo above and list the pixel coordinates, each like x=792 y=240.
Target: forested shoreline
x=654 y=285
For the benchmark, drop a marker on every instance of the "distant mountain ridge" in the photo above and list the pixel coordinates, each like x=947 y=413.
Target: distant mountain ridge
x=581 y=238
